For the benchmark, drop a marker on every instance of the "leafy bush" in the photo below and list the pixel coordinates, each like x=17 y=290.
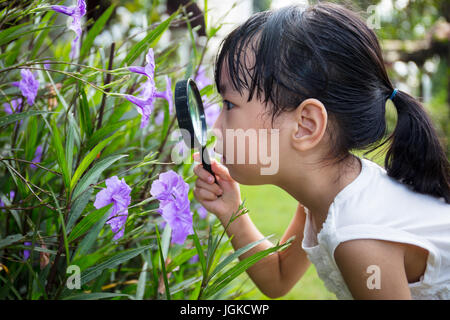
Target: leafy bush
x=85 y=163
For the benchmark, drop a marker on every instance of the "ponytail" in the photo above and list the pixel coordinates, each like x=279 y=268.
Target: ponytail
x=415 y=156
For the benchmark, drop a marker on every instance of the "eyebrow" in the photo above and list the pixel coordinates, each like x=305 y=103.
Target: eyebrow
x=222 y=89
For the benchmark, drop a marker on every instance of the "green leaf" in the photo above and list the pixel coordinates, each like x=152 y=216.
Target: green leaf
x=7 y=34
x=43 y=34
x=149 y=41
x=19 y=116
x=104 y=132
x=97 y=296
x=140 y=289
x=90 y=238
x=112 y=262
x=87 y=222
x=90 y=157
x=69 y=149
x=119 y=111
x=10 y=240
x=163 y=264
x=77 y=209
x=85 y=115
x=236 y=270
x=94 y=173
x=31 y=138
x=166 y=240
x=235 y=255
x=181 y=258
x=201 y=255
x=24 y=31
x=95 y=30
x=60 y=156
x=11 y=58
x=184 y=284
x=165 y=127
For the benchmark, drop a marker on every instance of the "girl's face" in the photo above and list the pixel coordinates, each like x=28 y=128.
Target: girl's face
x=246 y=138
x=258 y=152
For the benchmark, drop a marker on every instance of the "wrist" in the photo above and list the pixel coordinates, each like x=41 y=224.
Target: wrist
x=233 y=216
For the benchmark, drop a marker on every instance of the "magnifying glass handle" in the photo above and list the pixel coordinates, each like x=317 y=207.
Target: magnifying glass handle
x=206 y=162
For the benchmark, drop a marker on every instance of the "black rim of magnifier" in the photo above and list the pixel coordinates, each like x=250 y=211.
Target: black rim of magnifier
x=183 y=112
x=185 y=122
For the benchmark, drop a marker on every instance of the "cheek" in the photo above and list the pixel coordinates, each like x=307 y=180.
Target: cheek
x=248 y=161
x=245 y=174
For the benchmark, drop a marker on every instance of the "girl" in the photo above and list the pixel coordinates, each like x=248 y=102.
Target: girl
x=320 y=80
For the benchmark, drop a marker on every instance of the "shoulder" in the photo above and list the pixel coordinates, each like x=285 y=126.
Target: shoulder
x=373 y=269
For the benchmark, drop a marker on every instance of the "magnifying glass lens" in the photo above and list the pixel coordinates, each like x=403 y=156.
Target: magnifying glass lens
x=191 y=117
x=195 y=115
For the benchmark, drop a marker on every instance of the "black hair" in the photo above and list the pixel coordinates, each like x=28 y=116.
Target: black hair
x=326 y=51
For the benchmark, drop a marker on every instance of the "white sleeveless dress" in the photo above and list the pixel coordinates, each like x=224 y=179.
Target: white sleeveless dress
x=376 y=206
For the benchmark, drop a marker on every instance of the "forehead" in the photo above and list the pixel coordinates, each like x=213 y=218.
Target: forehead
x=240 y=78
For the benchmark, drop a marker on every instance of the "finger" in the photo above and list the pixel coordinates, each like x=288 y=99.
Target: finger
x=203 y=174
x=220 y=170
x=203 y=194
x=210 y=187
x=196 y=156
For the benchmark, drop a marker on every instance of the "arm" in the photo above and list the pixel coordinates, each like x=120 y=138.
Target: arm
x=355 y=256
x=277 y=273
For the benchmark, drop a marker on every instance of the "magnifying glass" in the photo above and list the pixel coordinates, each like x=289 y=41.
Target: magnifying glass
x=191 y=117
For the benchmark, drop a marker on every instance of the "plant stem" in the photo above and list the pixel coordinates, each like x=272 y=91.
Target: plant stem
x=144 y=191
x=107 y=81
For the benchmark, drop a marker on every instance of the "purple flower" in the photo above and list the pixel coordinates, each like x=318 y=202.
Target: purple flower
x=172 y=192
x=212 y=112
x=194 y=259
x=201 y=79
x=148 y=89
x=37 y=156
x=13 y=106
x=167 y=94
x=145 y=102
x=202 y=212
x=28 y=85
x=75 y=12
x=46 y=64
x=159 y=118
x=183 y=149
x=149 y=69
x=26 y=253
x=11 y=198
x=148 y=92
x=117 y=192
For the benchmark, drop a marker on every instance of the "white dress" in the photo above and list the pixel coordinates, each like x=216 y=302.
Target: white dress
x=376 y=206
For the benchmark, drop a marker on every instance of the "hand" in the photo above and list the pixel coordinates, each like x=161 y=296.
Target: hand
x=207 y=192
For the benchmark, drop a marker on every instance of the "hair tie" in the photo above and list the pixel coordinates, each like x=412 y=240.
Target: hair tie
x=393 y=94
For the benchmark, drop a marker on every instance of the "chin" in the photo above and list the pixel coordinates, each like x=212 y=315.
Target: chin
x=244 y=175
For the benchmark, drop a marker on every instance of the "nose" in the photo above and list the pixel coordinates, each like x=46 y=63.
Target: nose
x=217 y=132
x=218 y=123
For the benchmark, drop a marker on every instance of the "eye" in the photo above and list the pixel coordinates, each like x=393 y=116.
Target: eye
x=228 y=104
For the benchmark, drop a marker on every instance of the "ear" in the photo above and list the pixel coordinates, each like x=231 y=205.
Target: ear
x=310 y=124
